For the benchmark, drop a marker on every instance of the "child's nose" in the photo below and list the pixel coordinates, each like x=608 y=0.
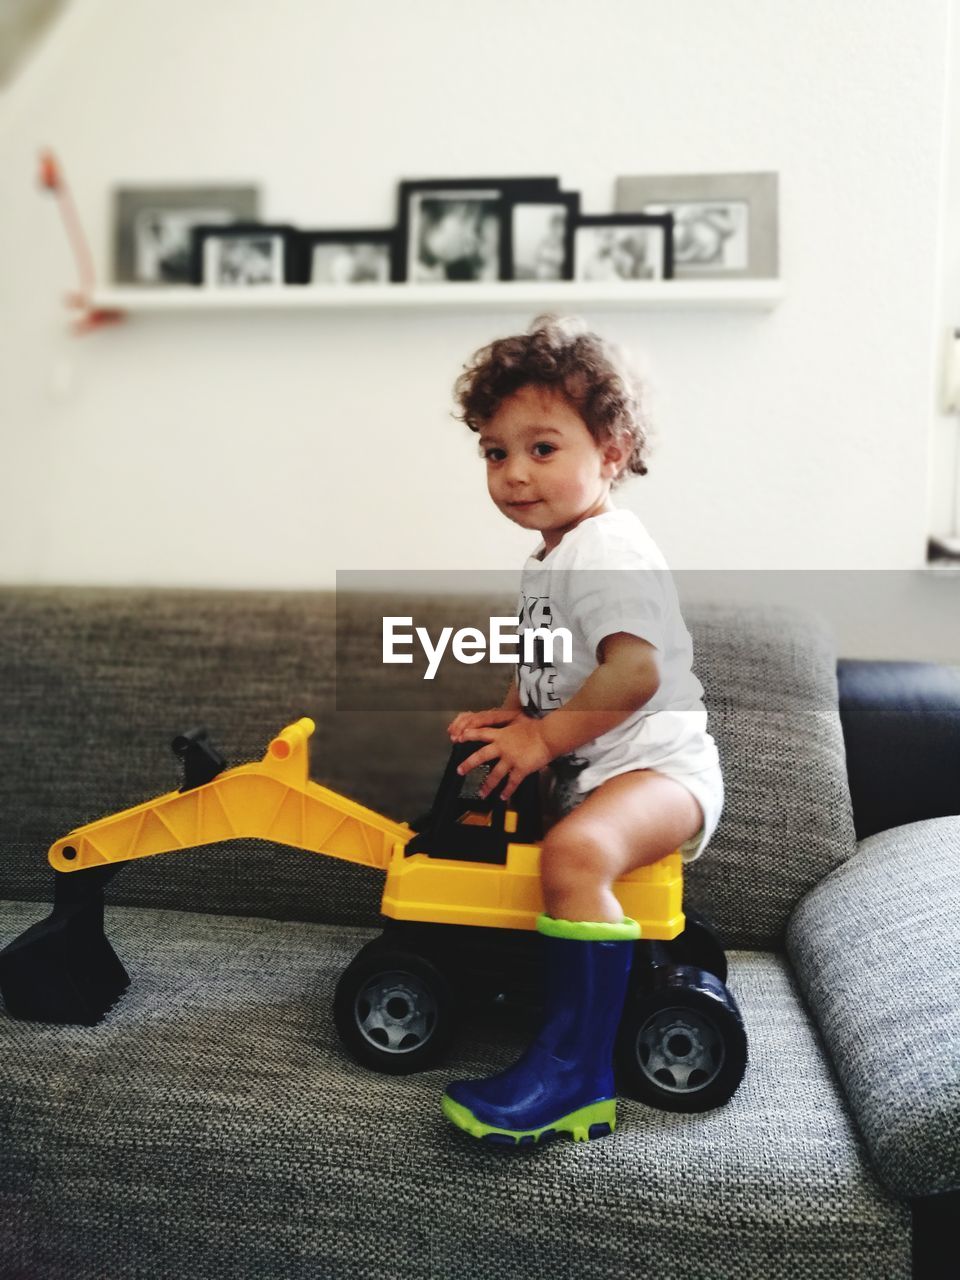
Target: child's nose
x=516 y=470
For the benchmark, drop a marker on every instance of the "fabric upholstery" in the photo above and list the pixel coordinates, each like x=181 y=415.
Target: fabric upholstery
x=770 y=681
x=94 y=683
x=887 y=1003
x=212 y=1126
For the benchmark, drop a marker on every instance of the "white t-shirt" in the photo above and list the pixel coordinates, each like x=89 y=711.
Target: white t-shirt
x=607 y=575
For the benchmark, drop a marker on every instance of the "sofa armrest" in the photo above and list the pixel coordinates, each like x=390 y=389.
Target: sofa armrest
x=876 y=949
x=901 y=730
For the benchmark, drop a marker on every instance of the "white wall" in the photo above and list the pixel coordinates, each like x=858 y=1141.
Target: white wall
x=273 y=449
x=945 y=439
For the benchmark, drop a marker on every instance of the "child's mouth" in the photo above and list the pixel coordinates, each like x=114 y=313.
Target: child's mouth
x=531 y=502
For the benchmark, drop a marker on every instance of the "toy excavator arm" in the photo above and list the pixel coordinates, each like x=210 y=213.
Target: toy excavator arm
x=273 y=799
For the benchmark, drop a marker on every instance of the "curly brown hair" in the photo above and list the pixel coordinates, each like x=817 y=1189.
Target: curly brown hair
x=561 y=354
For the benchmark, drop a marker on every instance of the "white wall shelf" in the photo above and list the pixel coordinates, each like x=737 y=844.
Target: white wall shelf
x=665 y=295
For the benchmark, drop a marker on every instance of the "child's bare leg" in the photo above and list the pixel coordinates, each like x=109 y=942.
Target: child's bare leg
x=629 y=821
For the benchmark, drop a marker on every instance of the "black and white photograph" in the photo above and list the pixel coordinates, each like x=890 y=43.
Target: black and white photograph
x=709 y=235
x=454 y=236
x=152 y=228
x=725 y=224
x=623 y=247
x=538 y=237
x=245 y=255
x=452 y=230
x=347 y=257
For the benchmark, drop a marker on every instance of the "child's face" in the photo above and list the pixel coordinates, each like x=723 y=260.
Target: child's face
x=545 y=471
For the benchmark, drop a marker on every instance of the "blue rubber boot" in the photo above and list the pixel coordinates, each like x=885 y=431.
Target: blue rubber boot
x=564 y=1081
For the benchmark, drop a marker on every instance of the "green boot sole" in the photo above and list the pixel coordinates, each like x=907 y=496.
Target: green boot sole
x=594 y=1121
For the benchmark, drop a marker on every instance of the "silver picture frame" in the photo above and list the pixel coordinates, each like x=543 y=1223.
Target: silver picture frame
x=152 y=227
x=725 y=224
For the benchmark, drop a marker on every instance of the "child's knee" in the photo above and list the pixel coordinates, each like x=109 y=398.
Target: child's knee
x=571 y=855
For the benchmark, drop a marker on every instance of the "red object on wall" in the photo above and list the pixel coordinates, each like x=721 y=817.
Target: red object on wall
x=49 y=171
x=51 y=178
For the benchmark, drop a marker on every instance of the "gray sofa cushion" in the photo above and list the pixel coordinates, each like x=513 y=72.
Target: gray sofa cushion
x=95 y=683
x=213 y=1126
x=770 y=681
x=890 y=1012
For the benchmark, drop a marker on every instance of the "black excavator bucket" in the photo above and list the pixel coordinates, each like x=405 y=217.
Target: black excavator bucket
x=63 y=969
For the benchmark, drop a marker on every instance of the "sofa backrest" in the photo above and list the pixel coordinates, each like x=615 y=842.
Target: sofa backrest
x=769 y=676
x=94 y=683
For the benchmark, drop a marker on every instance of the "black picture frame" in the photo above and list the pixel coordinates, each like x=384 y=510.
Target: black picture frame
x=255 y=270
x=473 y=235
x=622 y=261
x=382 y=266
x=532 y=253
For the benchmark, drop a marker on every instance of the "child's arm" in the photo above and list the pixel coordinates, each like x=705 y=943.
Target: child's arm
x=462 y=726
x=628 y=676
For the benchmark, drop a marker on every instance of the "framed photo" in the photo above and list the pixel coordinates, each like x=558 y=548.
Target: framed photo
x=152 y=228
x=623 y=246
x=452 y=229
x=725 y=224
x=538 y=237
x=347 y=257
x=244 y=255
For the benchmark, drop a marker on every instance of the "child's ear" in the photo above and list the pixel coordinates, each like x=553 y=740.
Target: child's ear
x=615 y=455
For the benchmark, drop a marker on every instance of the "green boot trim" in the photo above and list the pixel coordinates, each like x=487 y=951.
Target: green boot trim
x=588 y=930
x=577 y=1123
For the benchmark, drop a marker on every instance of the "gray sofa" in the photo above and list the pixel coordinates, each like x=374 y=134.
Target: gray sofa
x=212 y=1125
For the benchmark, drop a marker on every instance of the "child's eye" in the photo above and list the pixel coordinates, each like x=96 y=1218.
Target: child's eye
x=493 y=455
x=544 y=450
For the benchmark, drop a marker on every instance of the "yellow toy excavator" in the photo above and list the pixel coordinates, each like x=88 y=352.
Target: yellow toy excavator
x=460 y=901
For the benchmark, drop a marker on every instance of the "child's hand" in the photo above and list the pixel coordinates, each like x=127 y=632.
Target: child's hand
x=461 y=728
x=520 y=749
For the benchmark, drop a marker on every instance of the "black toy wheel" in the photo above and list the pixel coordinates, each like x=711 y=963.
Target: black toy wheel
x=698 y=946
x=681 y=1044
x=394 y=1009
